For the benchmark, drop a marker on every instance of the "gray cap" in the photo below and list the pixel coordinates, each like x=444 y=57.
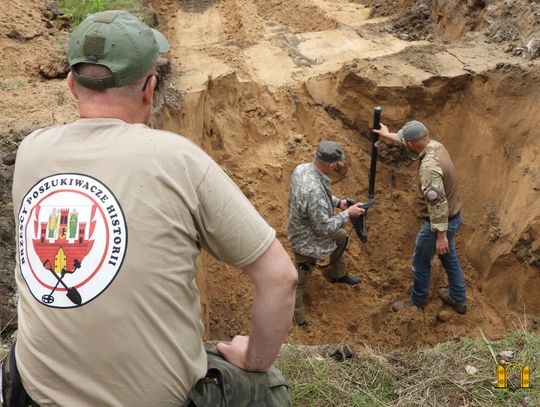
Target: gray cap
x=413 y=131
x=329 y=151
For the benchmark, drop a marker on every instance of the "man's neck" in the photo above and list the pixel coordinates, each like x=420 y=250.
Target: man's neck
x=321 y=167
x=421 y=145
x=87 y=112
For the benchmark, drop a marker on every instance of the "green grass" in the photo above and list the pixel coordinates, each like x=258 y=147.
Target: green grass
x=423 y=377
x=79 y=9
x=410 y=378
x=6 y=85
x=11 y=140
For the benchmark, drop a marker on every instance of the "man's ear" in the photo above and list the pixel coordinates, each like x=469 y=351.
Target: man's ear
x=148 y=93
x=72 y=86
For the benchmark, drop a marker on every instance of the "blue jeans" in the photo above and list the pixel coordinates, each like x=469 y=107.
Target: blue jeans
x=421 y=264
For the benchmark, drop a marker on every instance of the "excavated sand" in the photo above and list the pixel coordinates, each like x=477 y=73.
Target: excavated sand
x=258 y=83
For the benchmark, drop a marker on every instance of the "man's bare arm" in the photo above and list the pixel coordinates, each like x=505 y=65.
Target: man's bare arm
x=274 y=277
x=386 y=135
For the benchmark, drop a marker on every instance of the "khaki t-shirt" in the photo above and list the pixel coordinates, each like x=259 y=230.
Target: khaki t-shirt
x=110 y=221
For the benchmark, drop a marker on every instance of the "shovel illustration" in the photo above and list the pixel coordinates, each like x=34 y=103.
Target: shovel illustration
x=72 y=293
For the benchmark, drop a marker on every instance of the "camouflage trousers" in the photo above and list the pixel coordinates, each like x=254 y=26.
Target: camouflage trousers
x=228 y=385
x=305 y=265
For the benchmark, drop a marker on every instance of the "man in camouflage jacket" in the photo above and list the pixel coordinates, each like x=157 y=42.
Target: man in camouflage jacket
x=440 y=208
x=314 y=231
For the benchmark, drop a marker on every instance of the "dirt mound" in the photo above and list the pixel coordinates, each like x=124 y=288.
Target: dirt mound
x=415 y=23
x=382 y=8
x=455 y=19
x=259 y=83
x=293 y=15
x=31 y=43
x=515 y=24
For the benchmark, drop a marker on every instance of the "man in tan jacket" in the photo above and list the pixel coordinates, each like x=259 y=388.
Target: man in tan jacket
x=440 y=207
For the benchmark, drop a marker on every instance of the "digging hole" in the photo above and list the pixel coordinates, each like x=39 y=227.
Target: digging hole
x=487 y=122
x=258 y=85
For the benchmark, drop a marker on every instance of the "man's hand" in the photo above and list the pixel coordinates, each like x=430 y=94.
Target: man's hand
x=385 y=134
x=356 y=210
x=343 y=204
x=442 y=243
x=236 y=351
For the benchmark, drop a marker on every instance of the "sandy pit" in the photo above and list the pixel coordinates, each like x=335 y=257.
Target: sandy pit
x=258 y=83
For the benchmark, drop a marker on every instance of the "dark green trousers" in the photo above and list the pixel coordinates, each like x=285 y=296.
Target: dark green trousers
x=227 y=385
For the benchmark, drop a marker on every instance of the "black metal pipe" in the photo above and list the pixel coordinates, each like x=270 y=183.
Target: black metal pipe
x=374 y=151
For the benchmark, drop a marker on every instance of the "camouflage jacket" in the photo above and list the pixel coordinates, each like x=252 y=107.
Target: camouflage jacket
x=437 y=186
x=311 y=219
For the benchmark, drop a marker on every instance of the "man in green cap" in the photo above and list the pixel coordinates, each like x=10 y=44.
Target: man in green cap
x=314 y=231
x=109 y=315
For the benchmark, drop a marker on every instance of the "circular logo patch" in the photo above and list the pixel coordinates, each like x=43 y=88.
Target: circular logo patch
x=72 y=239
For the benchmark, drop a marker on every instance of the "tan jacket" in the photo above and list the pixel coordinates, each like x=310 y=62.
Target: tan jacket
x=438 y=197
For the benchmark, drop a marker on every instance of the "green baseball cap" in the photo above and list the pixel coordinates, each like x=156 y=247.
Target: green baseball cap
x=118 y=40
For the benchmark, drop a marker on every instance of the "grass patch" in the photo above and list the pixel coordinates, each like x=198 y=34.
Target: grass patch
x=6 y=85
x=11 y=140
x=410 y=378
x=79 y=9
x=423 y=377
